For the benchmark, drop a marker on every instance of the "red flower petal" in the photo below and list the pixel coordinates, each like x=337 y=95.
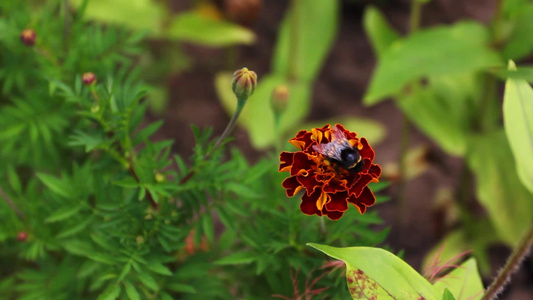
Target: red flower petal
x=338 y=202
x=366 y=151
x=286 y=159
x=360 y=184
x=301 y=164
x=334 y=215
x=308 y=205
x=291 y=185
x=366 y=198
x=309 y=182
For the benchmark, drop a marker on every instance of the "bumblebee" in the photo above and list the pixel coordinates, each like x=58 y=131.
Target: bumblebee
x=341 y=152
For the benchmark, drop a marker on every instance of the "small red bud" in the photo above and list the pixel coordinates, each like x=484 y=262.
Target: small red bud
x=88 y=78
x=280 y=99
x=27 y=36
x=244 y=83
x=22 y=236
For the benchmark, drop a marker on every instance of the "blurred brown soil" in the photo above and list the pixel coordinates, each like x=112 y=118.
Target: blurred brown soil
x=338 y=91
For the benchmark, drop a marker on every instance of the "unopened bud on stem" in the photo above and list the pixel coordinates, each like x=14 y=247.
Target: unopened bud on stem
x=27 y=36
x=88 y=78
x=280 y=99
x=244 y=83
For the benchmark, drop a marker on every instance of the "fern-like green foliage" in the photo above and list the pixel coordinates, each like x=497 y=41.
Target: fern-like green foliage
x=93 y=207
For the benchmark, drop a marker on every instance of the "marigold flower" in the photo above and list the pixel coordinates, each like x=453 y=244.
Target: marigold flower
x=329 y=186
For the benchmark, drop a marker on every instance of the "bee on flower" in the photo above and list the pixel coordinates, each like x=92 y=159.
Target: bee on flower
x=334 y=167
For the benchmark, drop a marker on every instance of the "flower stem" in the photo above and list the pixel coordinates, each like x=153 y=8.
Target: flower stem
x=323 y=227
x=404 y=147
x=227 y=131
x=229 y=127
x=293 y=44
x=277 y=130
x=12 y=205
x=414 y=24
x=513 y=263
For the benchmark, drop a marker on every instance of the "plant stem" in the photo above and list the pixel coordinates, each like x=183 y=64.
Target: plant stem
x=277 y=130
x=415 y=15
x=414 y=25
x=293 y=43
x=12 y=205
x=513 y=263
x=229 y=127
x=405 y=137
x=227 y=131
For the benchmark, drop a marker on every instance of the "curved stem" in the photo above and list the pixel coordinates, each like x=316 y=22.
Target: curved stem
x=510 y=267
x=229 y=127
x=227 y=131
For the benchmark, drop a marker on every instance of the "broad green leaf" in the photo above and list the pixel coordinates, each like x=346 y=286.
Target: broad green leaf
x=518 y=124
x=131 y=291
x=374 y=273
x=444 y=109
x=443 y=50
x=508 y=203
x=196 y=27
x=63 y=213
x=378 y=30
x=257 y=116
x=135 y=14
x=314 y=34
x=481 y=234
x=55 y=185
x=464 y=282
x=237 y=258
x=520 y=42
x=447 y=295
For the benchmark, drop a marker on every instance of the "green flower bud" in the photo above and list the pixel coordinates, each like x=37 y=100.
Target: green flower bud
x=280 y=99
x=244 y=83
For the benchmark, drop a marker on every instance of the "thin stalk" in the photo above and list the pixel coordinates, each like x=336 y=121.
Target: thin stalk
x=229 y=127
x=414 y=24
x=415 y=15
x=497 y=28
x=11 y=204
x=405 y=137
x=277 y=130
x=322 y=225
x=293 y=43
x=227 y=131
x=513 y=263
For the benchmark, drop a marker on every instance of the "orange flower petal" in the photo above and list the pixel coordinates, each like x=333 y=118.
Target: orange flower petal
x=322 y=200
